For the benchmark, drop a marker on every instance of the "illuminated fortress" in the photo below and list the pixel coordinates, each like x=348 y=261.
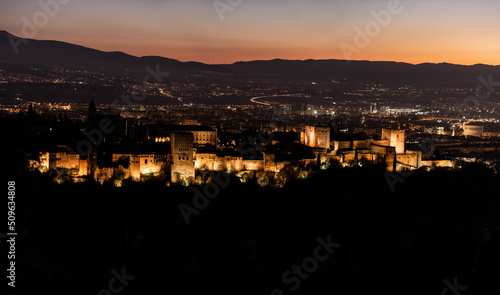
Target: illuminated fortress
x=390 y=149
x=181 y=150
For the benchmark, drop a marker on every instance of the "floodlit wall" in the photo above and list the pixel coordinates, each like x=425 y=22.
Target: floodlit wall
x=182 y=168
x=396 y=138
x=473 y=130
x=316 y=137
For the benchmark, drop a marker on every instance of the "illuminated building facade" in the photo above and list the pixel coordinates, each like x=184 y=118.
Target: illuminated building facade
x=182 y=168
x=140 y=165
x=183 y=158
x=63 y=160
x=202 y=135
x=395 y=138
x=473 y=130
x=389 y=150
x=316 y=137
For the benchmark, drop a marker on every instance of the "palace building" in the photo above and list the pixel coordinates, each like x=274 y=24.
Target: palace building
x=181 y=150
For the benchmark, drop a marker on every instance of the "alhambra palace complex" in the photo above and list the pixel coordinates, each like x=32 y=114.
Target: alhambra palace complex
x=183 y=149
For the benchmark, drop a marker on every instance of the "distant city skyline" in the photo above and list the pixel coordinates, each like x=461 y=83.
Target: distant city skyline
x=461 y=32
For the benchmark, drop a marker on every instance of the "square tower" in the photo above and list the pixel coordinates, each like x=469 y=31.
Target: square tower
x=182 y=155
x=396 y=138
x=316 y=137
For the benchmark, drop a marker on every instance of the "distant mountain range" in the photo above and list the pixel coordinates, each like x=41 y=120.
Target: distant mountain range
x=54 y=53
x=61 y=54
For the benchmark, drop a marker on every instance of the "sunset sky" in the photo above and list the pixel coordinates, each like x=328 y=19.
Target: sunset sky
x=455 y=31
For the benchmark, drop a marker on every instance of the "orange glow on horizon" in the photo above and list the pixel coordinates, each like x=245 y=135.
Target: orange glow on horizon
x=227 y=57
x=459 y=32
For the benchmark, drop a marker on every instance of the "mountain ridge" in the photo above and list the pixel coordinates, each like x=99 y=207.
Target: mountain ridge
x=72 y=56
